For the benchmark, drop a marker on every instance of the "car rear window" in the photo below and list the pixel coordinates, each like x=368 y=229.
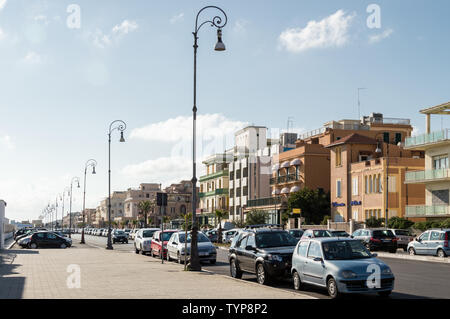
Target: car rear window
x=383 y=234
x=402 y=232
x=442 y=237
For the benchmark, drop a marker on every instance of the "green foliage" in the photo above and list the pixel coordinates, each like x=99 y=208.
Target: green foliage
x=399 y=223
x=186 y=218
x=374 y=222
x=430 y=224
x=325 y=220
x=284 y=218
x=256 y=217
x=445 y=223
x=313 y=203
x=239 y=223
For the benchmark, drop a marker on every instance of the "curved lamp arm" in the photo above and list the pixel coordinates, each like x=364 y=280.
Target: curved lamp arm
x=217 y=21
x=120 y=127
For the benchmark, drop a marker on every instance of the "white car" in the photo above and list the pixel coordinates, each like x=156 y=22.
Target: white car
x=143 y=240
x=176 y=247
x=133 y=232
x=227 y=235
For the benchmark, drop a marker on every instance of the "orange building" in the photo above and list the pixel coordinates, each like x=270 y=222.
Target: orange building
x=359 y=166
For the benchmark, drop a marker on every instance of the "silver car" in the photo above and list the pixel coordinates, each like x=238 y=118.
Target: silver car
x=176 y=248
x=227 y=235
x=432 y=242
x=404 y=237
x=340 y=265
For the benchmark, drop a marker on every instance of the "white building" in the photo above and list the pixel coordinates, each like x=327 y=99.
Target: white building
x=2 y=217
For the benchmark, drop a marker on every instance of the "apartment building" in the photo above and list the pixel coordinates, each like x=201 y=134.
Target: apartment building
x=146 y=191
x=359 y=166
x=117 y=208
x=179 y=199
x=89 y=216
x=435 y=177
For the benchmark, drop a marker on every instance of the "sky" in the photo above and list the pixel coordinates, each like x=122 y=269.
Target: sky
x=70 y=68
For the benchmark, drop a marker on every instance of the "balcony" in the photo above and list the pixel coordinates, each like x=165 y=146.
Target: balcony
x=231 y=183
x=244 y=181
x=244 y=200
x=428 y=211
x=219 y=191
x=434 y=175
x=270 y=201
x=284 y=179
x=214 y=175
x=426 y=141
x=238 y=183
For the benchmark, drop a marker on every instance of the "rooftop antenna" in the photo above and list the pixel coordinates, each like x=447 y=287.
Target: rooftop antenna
x=359 y=103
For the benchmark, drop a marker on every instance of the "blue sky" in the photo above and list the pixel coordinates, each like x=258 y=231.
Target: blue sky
x=132 y=60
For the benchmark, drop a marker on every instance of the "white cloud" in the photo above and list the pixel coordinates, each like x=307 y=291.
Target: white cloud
x=2 y=4
x=378 y=37
x=102 y=40
x=332 y=31
x=5 y=141
x=2 y=34
x=416 y=131
x=32 y=58
x=176 y=18
x=240 y=25
x=42 y=19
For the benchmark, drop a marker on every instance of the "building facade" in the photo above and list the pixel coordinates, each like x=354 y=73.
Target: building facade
x=435 y=177
x=146 y=191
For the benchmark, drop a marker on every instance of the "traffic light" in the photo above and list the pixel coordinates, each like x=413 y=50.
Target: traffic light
x=161 y=199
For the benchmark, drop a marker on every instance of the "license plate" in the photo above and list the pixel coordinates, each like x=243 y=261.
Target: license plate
x=202 y=254
x=386 y=241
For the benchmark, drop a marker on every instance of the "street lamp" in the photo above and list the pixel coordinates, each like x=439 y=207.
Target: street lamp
x=120 y=126
x=66 y=190
x=219 y=23
x=90 y=163
x=74 y=179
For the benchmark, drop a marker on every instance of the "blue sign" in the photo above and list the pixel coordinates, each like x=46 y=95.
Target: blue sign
x=335 y=204
x=355 y=203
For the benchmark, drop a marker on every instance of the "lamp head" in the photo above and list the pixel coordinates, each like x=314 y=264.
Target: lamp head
x=78 y=184
x=122 y=139
x=219 y=45
x=93 y=170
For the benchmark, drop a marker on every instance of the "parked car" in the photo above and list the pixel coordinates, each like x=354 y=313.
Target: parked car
x=119 y=236
x=340 y=265
x=133 y=233
x=160 y=238
x=432 y=242
x=264 y=252
x=296 y=233
x=45 y=239
x=315 y=233
x=228 y=235
x=213 y=235
x=127 y=231
x=338 y=233
x=143 y=240
x=26 y=233
x=177 y=244
x=404 y=236
x=60 y=233
x=377 y=239
x=22 y=231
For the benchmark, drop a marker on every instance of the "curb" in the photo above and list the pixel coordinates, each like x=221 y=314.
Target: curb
x=415 y=258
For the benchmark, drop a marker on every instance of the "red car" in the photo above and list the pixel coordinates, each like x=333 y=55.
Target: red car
x=158 y=238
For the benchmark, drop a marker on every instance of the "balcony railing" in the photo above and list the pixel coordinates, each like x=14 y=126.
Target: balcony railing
x=430 y=138
x=428 y=175
x=264 y=202
x=214 y=175
x=427 y=211
x=284 y=179
x=312 y=133
x=219 y=191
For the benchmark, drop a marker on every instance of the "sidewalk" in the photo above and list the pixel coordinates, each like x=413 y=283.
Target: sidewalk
x=406 y=256
x=42 y=273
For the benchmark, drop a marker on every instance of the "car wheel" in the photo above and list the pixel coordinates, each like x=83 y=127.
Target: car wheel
x=261 y=275
x=63 y=246
x=168 y=256
x=297 y=281
x=136 y=250
x=367 y=246
x=213 y=261
x=33 y=246
x=411 y=251
x=384 y=294
x=126 y=242
x=332 y=288
x=151 y=253
x=405 y=249
x=393 y=251
x=234 y=270
x=142 y=251
x=441 y=253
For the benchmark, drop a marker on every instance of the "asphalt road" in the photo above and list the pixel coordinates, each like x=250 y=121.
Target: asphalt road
x=414 y=279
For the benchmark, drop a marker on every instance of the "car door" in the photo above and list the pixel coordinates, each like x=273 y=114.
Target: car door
x=52 y=240
x=299 y=258
x=41 y=240
x=314 y=268
x=249 y=256
x=433 y=243
x=240 y=248
x=172 y=245
x=421 y=245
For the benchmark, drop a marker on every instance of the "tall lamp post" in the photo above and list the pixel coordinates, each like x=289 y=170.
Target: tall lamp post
x=90 y=163
x=66 y=190
x=120 y=126
x=379 y=151
x=74 y=179
x=219 y=23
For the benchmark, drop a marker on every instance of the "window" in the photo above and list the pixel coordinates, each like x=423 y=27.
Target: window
x=355 y=215
x=355 y=186
x=424 y=236
x=338 y=188
x=375 y=188
x=392 y=184
x=314 y=250
x=251 y=241
x=386 y=137
x=302 y=247
x=338 y=156
x=379 y=183
x=440 y=161
x=398 y=138
x=440 y=197
x=370 y=185
x=366 y=184
x=51 y=236
x=434 y=235
x=242 y=242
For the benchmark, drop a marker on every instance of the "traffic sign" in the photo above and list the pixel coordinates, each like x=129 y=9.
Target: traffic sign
x=297 y=211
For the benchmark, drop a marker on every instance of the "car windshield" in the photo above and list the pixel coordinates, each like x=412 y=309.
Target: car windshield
x=339 y=233
x=119 y=232
x=345 y=250
x=275 y=239
x=383 y=233
x=402 y=232
x=166 y=236
x=321 y=233
x=200 y=238
x=148 y=233
x=296 y=233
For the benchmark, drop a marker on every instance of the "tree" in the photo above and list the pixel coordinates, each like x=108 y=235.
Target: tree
x=187 y=218
x=284 y=218
x=374 y=222
x=134 y=223
x=325 y=220
x=256 y=217
x=315 y=204
x=146 y=207
x=399 y=223
x=220 y=214
x=238 y=222
x=445 y=223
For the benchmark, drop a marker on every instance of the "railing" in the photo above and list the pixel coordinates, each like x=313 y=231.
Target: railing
x=284 y=179
x=312 y=133
x=214 y=175
x=427 y=211
x=392 y=120
x=427 y=175
x=219 y=191
x=264 y=202
x=423 y=139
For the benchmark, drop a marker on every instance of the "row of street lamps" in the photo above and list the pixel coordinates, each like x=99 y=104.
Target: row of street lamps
x=218 y=22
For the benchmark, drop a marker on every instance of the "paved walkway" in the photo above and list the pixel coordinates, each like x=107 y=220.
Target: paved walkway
x=43 y=273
